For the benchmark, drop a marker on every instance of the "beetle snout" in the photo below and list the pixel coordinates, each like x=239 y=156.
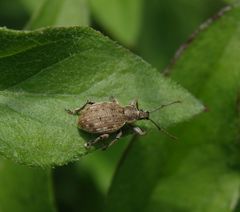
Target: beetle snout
x=143 y=114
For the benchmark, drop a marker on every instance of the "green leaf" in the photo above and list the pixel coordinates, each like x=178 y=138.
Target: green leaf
x=121 y=18
x=102 y=164
x=30 y=5
x=75 y=188
x=25 y=189
x=45 y=71
x=201 y=171
x=13 y=14
x=166 y=25
x=231 y=1
x=66 y=13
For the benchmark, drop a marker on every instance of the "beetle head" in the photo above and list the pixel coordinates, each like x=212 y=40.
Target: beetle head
x=143 y=114
x=133 y=114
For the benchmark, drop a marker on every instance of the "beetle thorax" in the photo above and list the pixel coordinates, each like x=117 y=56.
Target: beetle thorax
x=133 y=114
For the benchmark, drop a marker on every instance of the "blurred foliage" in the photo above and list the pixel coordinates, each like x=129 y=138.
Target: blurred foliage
x=30 y=5
x=25 y=189
x=101 y=165
x=200 y=172
x=66 y=13
x=167 y=24
x=176 y=173
x=13 y=14
x=76 y=189
x=121 y=18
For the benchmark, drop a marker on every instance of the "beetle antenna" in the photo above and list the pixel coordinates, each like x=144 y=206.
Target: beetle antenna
x=162 y=106
x=163 y=130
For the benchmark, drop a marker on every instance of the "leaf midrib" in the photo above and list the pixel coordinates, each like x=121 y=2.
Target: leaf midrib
x=47 y=67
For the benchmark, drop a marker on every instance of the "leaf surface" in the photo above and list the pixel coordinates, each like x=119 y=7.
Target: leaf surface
x=45 y=71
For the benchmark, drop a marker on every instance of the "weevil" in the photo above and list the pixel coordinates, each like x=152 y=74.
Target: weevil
x=105 y=118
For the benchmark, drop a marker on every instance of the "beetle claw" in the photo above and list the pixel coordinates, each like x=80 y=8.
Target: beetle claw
x=87 y=145
x=69 y=111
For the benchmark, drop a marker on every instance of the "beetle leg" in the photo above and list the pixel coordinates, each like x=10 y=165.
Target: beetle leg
x=99 y=138
x=77 y=110
x=113 y=99
x=138 y=130
x=118 y=136
x=134 y=103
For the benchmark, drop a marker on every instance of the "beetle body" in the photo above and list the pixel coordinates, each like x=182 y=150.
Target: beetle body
x=107 y=117
x=104 y=118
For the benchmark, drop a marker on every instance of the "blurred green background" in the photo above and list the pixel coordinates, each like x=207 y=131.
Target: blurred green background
x=153 y=29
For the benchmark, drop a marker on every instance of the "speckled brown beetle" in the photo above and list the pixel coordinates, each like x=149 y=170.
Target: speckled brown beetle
x=104 y=118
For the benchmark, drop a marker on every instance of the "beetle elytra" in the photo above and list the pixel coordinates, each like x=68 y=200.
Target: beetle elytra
x=105 y=118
